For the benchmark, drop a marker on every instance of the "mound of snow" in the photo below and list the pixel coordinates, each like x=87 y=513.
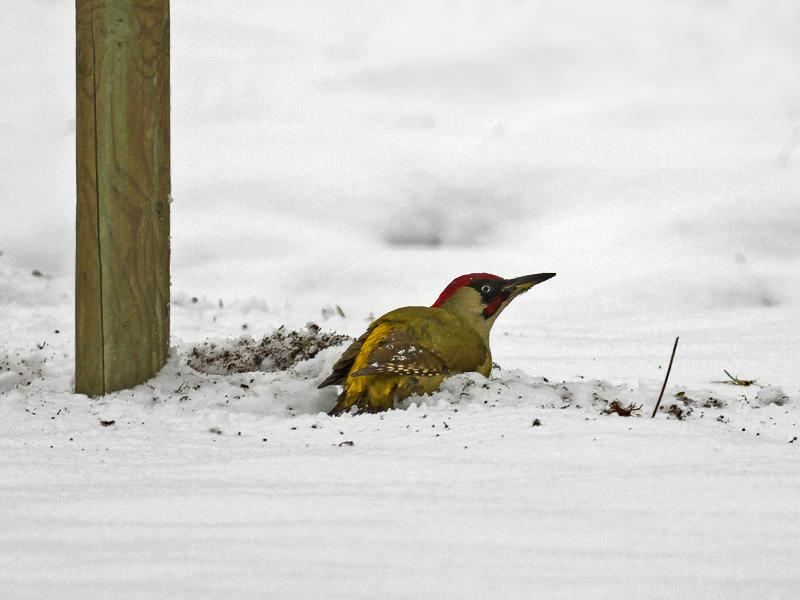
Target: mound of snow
x=771 y=395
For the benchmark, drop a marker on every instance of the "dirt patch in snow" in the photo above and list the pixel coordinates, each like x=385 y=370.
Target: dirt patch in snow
x=279 y=351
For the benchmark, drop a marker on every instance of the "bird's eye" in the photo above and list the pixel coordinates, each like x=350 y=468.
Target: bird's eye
x=486 y=288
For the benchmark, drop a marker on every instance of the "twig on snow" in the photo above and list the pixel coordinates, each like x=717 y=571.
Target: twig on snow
x=623 y=411
x=666 y=377
x=734 y=380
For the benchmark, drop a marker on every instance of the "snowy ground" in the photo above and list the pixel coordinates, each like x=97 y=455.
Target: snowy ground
x=202 y=485
x=362 y=156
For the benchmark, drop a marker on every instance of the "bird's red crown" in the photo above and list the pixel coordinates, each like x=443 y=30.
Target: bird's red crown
x=460 y=282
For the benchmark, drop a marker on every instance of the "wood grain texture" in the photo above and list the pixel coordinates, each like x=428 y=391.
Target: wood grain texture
x=123 y=188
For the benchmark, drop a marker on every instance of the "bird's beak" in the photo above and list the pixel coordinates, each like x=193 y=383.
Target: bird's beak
x=522 y=284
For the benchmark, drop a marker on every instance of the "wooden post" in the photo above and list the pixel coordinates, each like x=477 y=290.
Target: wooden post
x=123 y=180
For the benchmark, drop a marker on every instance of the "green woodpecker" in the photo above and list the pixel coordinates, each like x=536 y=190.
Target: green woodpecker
x=411 y=350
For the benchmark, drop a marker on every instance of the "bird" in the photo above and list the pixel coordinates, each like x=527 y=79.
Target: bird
x=412 y=350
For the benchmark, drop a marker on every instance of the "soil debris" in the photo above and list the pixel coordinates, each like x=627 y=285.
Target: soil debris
x=279 y=351
x=623 y=411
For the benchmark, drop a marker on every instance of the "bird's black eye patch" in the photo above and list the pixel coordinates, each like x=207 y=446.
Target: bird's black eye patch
x=487 y=289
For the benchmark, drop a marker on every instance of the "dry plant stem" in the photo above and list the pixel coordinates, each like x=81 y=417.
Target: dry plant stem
x=732 y=379
x=666 y=377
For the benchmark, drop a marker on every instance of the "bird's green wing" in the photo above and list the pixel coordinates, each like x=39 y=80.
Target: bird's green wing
x=399 y=353
x=342 y=366
x=420 y=341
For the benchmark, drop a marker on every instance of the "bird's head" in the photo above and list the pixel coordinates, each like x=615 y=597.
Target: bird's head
x=479 y=297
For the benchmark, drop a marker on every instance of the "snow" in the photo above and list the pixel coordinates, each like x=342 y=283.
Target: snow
x=332 y=163
x=200 y=484
x=771 y=395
